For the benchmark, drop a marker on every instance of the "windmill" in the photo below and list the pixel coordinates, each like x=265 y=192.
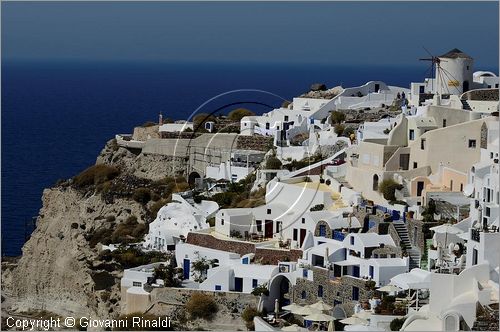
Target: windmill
x=438 y=73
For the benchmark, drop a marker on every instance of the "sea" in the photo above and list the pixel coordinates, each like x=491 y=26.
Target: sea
x=57 y=115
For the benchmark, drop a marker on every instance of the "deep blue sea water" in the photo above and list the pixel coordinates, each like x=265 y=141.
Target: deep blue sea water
x=56 y=117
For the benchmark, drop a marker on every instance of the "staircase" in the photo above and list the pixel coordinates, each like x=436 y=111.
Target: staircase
x=465 y=105
x=413 y=252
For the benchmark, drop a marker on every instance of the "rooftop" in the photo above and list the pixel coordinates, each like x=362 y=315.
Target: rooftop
x=454 y=54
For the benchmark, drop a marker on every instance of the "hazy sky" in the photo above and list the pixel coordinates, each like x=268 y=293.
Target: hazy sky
x=334 y=32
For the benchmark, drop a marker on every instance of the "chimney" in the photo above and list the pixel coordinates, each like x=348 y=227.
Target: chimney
x=160 y=119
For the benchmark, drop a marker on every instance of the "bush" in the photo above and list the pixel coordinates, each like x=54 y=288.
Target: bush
x=339 y=129
x=202 y=306
x=337 y=117
x=348 y=131
x=237 y=114
x=388 y=189
x=95 y=175
x=199 y=121
x=131 y=257
x=273 y=163
x=397 y=324
x=317 y=207
x=157 y=206
x=259 y=290
x=142 y=195
x=248 y=315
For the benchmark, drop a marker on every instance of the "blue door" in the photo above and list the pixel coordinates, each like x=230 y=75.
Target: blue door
x=186 y=267
x=355 y=271
x=322 y=230
x=238 y=284
x=395 y=215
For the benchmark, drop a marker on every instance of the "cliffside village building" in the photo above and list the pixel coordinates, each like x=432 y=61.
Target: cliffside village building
x=325 y=231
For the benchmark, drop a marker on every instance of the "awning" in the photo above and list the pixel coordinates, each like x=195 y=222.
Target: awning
x=346 y=263
x=415 y=279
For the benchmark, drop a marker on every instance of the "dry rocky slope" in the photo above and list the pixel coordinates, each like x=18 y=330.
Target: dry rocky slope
x=60 y=271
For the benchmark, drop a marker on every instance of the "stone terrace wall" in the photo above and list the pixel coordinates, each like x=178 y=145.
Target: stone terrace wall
x=273 y=256
x=264 y=256
x=334 y=289
x=171 y=302
x=208 y=241
x=482 y=94
x=182 y=135
x=254 y=142
x=145 y=133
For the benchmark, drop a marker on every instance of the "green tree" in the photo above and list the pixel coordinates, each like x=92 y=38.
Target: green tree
x=339 y=129
x=273 y=163
x=337 y=117
x=388 y=189
x=248 y=315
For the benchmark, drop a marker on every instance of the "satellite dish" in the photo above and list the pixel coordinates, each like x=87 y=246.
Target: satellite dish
x=469 y=190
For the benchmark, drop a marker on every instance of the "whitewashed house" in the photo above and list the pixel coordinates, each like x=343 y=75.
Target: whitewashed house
x=177 y=219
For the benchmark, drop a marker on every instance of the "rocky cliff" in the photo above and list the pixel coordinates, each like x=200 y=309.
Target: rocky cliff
x=61 y=269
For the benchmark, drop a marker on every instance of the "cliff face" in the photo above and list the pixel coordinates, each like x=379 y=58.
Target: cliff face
x=60 y=270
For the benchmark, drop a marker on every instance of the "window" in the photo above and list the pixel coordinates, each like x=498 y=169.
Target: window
x=304 y=273
x=259 y=225
x=320 y=291
x=218 y=287
x=355 y=293
x=352 y=240
x=375 y=182
x=303 y=295
x=422 y=144
x=295 y=233
x=444 y=122
x=412 y=134
x=415 y=164
x=451 y=185
x=472 y=143
x=254 y=283
x=496 y=86
x=268 y=211
x=371 y=271
x=267 y=125
x=461 y=187
x=286 y=117
x=303 y=220
x=136 y=284
x=222 y=222
x=421 y=89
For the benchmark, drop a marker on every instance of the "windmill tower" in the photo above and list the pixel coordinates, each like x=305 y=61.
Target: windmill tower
x=452 y=72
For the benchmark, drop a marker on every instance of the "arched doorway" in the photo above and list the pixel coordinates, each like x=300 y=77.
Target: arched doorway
x=280 y=288
x=375 y=182
x=192 y=178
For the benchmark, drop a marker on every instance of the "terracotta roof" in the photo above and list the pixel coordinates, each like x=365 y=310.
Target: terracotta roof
x=455 y=53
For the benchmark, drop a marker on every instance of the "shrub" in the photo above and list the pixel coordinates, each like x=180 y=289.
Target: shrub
x=237 y=114
x=337 y=117
x=131 y=257
x=155 y=207
x=142 y=195
x=397 y=324
x=260 y=289
x=95 y=175
x=339 y=129
x=248 y=315
x=348 y=131
x=317 y=207
x=273 y=163
x=388 y=189
x=200 y=119
x=202 y=306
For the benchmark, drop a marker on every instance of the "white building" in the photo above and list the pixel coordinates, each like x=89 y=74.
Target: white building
x=177 y=219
